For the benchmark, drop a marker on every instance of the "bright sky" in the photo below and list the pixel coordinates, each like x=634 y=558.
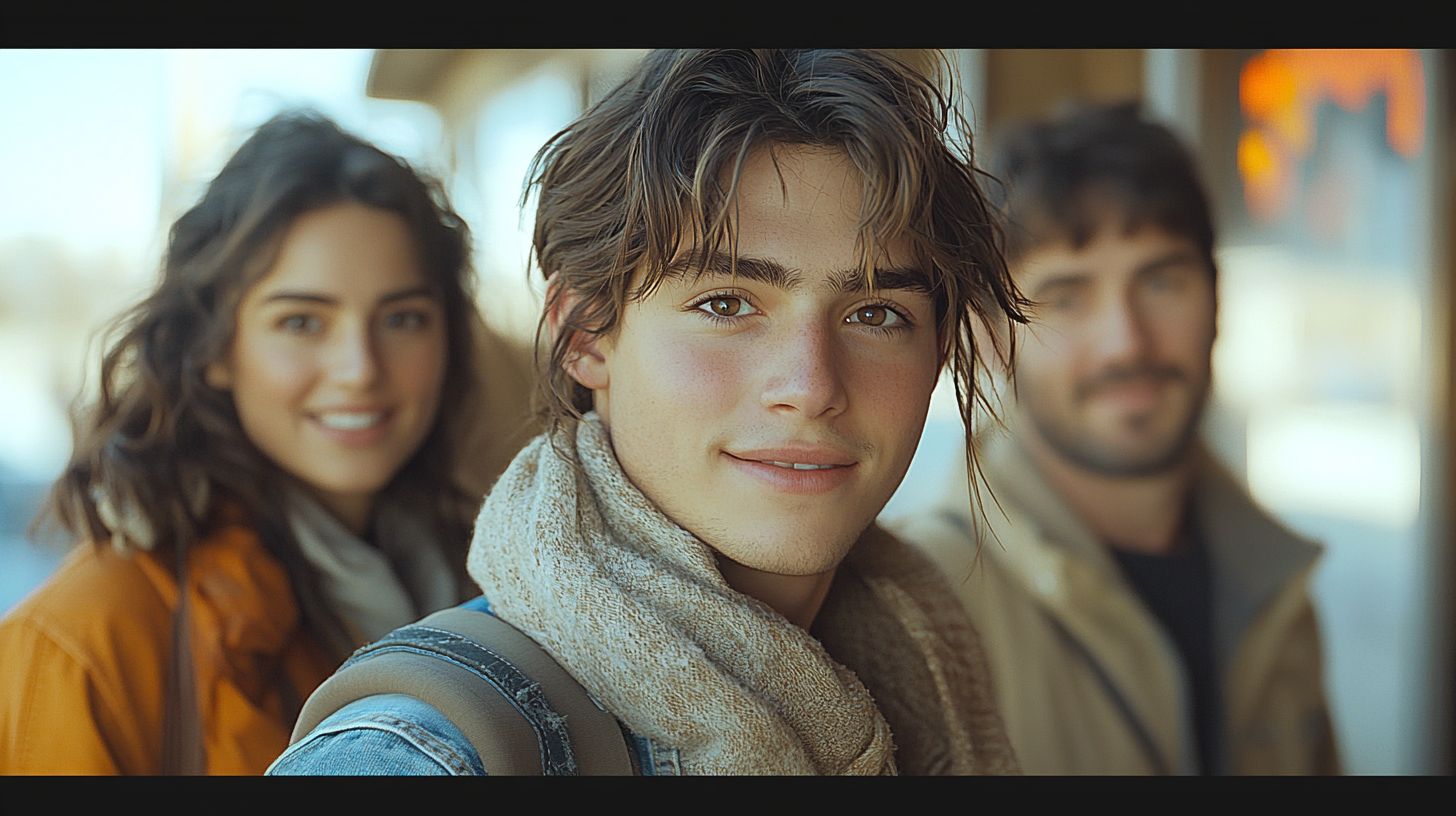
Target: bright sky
x=80 y=150
x=87 y=134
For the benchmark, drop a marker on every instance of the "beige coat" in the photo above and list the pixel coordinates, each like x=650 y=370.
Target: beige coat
x=1085 y=677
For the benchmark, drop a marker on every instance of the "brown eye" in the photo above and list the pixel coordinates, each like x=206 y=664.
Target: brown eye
x=725 y=307
x=300 y=324
x=870 y=316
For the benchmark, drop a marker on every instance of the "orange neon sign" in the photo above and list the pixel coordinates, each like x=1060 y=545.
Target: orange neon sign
x=1280 y=90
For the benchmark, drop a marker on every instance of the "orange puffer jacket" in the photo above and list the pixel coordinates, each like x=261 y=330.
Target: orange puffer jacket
x=84 y=661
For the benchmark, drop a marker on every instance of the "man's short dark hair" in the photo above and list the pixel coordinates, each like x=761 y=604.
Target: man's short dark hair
x=1060 y=178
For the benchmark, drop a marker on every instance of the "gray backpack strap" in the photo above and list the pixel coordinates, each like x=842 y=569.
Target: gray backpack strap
x=523 y=713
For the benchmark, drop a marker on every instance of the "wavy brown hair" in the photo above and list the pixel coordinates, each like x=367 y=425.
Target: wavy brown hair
x=160 y=447
x=656 y=164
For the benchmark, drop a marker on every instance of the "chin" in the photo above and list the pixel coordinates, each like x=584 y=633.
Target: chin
x=1123 y=447
x=791 y=553
x=1132 y=460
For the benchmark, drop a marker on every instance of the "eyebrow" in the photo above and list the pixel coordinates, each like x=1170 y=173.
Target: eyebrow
x=314 y=297
x=843 y=281
x=1174 y=258
x=1080 y=276
x=694 y=267
x=1066 y=279
x=886 y=277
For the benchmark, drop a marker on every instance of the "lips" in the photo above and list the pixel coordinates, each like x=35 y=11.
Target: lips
x=1122 y=378
x=350 y=420
x=800 y=465
x=795 y=470
x=353 y=427
x=801 y=457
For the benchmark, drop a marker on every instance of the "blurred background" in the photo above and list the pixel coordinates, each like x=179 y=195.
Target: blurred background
x=1329 y=171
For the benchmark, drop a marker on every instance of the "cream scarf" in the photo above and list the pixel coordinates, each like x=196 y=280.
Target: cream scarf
x=634 y=607
x=373 y=589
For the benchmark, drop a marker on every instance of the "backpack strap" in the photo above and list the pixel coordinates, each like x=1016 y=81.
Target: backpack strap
x=520 y=710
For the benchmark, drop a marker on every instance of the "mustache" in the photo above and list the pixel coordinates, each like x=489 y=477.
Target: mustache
x=1122 y=375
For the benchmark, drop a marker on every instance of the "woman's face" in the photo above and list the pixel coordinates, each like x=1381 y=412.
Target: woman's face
x=339 y=356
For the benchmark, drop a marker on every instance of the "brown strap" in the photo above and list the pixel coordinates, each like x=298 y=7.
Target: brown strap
x=505 y=740
x=183 y=751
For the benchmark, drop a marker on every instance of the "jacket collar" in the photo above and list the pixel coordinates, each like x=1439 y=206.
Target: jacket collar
x=1254 y=557
x=1030 y=531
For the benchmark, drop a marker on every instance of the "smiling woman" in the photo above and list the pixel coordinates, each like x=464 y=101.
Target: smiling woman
x=339 y=356
x=266 y=483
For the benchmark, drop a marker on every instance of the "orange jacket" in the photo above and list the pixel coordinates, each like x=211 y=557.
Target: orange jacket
x=84 y=661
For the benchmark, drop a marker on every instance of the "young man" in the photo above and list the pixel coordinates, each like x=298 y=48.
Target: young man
x=758 y=263
x=1140 y=614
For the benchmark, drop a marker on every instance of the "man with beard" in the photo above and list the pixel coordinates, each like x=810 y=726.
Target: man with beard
x=1140 y=614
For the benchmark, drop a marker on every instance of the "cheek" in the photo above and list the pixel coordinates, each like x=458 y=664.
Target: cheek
x=1185 y=334
x=1036 y=358
x=419 y=368
x=677 y=379
x=1056 y=359
x=269 y=381
x=895 y=390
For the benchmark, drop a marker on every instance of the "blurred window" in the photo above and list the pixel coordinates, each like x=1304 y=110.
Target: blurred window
x=1325 y=363
x=510 y=129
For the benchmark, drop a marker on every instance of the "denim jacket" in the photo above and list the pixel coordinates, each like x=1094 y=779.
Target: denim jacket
x=397 y=734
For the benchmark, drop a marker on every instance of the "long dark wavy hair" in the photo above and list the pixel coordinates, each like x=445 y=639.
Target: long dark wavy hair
x=161 y=451
x=656 y=163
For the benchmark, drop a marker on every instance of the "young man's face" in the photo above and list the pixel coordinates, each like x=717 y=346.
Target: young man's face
x=773 y=414
x=1115 y=367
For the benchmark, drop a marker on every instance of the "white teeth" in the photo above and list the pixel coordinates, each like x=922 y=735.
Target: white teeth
x=350 y=422
x=798 y=466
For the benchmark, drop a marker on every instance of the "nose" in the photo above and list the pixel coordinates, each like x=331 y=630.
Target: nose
x=806 y=374
x=354 y=358
x=1121 y=335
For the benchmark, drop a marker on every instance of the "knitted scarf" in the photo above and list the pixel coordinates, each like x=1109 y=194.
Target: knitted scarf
x=570 y=552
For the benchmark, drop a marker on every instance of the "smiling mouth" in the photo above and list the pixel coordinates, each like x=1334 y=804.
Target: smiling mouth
x=1127 y=378
x=799 y=465
x=813 y=478
x=351 y=421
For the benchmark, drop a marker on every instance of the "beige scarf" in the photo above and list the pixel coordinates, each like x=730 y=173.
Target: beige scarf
x=634 y=607
x=374 y=589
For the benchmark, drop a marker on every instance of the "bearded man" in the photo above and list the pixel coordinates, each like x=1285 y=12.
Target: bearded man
x=1140 y=614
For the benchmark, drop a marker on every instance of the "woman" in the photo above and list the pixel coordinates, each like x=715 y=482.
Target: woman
x=275 y=436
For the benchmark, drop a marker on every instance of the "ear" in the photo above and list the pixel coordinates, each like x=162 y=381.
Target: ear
x=586 y=364
x=585 y=360
x=219 y=375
